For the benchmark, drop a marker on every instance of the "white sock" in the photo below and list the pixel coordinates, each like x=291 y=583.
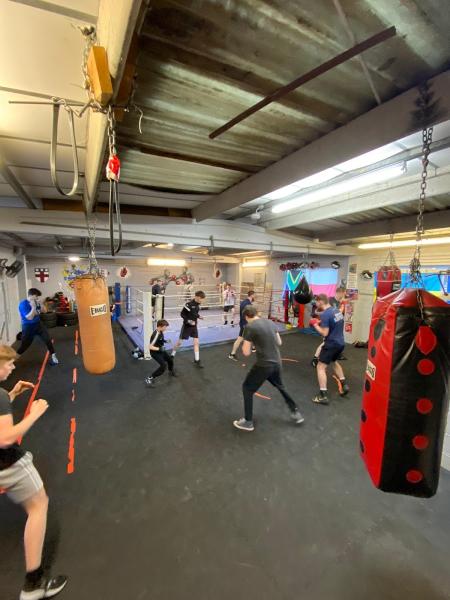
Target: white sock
x=174 y=352
x=197 y=355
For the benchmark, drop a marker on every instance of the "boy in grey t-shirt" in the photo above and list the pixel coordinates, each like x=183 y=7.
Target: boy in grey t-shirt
x=264 y=335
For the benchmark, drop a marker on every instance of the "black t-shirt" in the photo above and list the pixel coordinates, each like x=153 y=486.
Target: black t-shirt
x=190 y=313
x=157 y=339
x=243 y=306
x=8 y=456
x=335 y=303
x=263 y=335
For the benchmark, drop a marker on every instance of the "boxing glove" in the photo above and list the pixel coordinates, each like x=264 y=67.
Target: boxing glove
x=313 y=322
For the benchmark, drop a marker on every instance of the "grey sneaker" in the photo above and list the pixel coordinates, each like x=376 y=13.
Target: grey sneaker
x=297 y=416
x=232 y=357
x=149 y=381
x=244 y=425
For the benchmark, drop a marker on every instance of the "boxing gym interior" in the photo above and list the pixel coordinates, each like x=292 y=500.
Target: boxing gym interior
x=164 y=158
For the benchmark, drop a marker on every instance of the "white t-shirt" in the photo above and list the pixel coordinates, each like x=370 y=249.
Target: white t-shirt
x=229 y=297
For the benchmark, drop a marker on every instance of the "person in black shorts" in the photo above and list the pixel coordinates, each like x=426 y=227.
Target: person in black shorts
x=30 y=314
x=190 y=314
x=242 y=323
x=331 y=327
x=157 y=352
x=264 y=335
x=23 y=484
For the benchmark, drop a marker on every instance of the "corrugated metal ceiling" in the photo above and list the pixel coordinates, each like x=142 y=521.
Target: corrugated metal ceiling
x=203 y=61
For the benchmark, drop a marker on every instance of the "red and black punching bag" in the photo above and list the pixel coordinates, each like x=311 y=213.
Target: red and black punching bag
x=389 y=279
x=405 y=399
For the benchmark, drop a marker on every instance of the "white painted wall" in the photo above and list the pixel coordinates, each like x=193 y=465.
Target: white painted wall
x=141 y=274
x=9 y=312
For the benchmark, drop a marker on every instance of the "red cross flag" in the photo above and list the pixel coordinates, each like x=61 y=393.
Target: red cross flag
x=41 y=274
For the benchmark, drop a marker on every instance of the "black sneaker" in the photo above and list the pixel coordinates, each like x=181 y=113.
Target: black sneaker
x=345 y=389
x=233 y=357
x=173 y=373
x=45 y=588
x=149 y=381
x=315 y=362
x=320 y=399
x=198 y=364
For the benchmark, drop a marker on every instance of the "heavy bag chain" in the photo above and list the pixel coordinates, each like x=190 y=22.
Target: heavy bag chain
x=415 y=269
x=113 y=175
x=93 y=264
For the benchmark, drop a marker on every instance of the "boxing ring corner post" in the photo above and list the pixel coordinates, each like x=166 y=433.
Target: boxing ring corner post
x=148 y=321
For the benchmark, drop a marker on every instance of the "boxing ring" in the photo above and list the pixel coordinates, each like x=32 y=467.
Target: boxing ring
x=139 y=317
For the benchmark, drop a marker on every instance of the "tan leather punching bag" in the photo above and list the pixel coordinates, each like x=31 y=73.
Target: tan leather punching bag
x=97 y=344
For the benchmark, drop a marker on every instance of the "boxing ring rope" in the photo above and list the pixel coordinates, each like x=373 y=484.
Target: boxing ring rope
x=138 y=301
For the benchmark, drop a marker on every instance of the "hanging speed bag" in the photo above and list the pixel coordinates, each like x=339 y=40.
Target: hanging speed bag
x=405 y=399
x=389 y=279
x=91 y=295
x=303 y=294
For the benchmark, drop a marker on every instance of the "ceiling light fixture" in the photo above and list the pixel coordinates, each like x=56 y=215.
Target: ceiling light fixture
x=166 y=262
x=405 y=243
x=348 y=185
x=248 y=264
x=74 y=259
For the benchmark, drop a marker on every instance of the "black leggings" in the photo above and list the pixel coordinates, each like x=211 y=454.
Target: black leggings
x=162 y=358
x=254 y=380
x=29 y=332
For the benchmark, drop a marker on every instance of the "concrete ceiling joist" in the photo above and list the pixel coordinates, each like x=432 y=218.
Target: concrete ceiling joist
x=384 y=124
x=435 y=220
x=12 y=180
x=397 y=192
x=116 y=24
x=227 y=235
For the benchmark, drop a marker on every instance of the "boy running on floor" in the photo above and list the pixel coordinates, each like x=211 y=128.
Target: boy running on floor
x=157 y=352
x=265 y=337
x=23 y=484
x=190 y=315
x=331 y=327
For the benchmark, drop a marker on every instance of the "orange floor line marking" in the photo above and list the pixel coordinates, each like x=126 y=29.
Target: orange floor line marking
x=73 y=395
x=290 y=360
x=76 y=341
x=262 y=396
x=71 y=453
x=74 y=377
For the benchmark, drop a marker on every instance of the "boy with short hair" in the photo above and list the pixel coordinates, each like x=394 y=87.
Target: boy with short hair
x=242 y=323
x=331 y=327
x=23 y=484
x=229 y=300
x=190 y=314
x=30 y=310
x=157 y=352
x=265 y=337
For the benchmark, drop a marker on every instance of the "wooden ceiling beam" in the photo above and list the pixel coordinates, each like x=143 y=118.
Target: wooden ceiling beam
x=126 y=209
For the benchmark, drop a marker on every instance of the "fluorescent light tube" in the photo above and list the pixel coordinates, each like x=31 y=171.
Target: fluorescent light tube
x=254 y=263
x=405 y=243
x=336 y=189
x=166 y=262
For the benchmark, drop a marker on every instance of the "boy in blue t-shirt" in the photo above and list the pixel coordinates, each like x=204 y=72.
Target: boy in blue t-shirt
x=331 y=327
x=30 y=314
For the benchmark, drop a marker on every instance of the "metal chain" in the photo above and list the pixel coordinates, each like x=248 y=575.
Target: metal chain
x=93 y=264
x=415 y=270
x=111 y=131
x=90 y=36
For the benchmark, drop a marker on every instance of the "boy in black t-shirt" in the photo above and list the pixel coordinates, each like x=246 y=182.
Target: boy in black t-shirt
x=190 y=314
x=157 y=352
x=23 y=484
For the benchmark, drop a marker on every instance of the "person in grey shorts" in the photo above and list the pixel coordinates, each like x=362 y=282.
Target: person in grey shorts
x=23 y=484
